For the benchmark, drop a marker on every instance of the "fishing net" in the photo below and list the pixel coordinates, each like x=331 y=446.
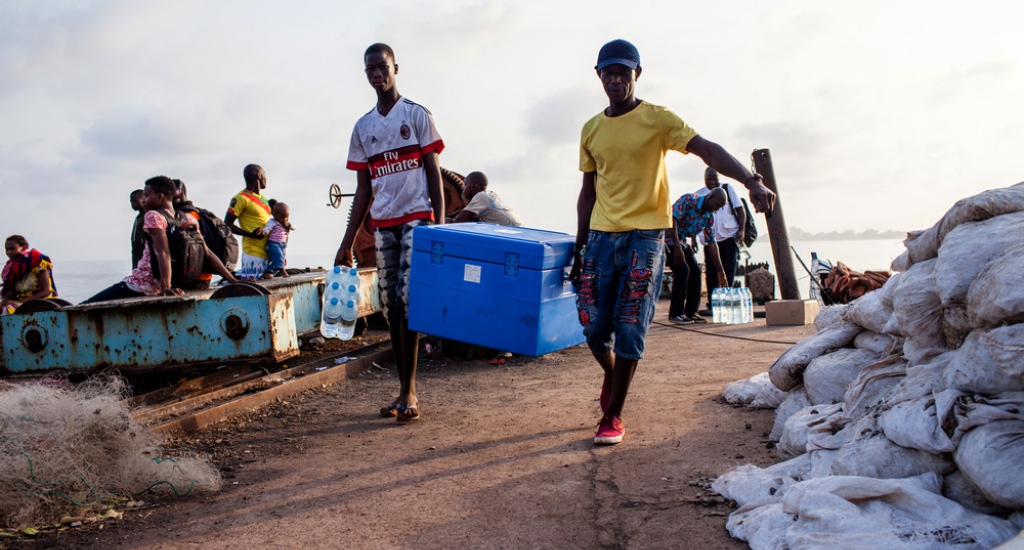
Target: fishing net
x=65 y=449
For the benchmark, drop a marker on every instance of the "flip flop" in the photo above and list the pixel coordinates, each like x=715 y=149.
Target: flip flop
x=407 y=414
x=389 y=411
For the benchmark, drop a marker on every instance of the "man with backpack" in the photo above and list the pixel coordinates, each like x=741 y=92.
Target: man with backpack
x=175 y=253
x=730 y=231
x=215 y=232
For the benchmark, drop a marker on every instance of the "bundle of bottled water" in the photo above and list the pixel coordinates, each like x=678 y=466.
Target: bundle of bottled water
x=341 y=303
x=732 y=306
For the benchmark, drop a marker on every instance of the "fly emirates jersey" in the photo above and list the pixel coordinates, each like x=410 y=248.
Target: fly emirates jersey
x=392 y=148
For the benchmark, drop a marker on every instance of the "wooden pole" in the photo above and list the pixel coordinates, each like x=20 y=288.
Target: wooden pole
x=777 y=232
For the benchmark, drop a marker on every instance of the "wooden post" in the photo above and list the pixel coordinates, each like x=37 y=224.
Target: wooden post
x=777 y=232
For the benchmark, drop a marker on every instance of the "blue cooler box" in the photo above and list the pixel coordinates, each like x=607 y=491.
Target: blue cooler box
x=494 y=286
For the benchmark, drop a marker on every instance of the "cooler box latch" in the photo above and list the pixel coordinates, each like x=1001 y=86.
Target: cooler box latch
x=511 y=264
x=436 y=252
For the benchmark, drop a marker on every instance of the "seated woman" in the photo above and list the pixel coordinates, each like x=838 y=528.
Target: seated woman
x=27 y=275
x=156 y=198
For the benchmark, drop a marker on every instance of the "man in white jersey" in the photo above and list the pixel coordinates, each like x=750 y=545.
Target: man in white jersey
x=394 y=152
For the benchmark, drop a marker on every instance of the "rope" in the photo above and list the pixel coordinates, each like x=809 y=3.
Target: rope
x=731 y=337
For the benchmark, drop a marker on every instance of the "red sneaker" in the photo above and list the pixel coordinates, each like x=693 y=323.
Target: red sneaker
x=609 y=431
x=606 y=393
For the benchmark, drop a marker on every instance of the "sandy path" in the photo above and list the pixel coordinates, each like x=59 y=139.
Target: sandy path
x=503 y=458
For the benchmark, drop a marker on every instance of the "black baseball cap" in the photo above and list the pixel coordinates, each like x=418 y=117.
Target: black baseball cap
x=618 y=52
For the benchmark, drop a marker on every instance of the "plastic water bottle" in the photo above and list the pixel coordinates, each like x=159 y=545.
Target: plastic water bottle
x=748 y=305
x=716 y=305
x=728 y=308
x=737 y=307
x=341 y=303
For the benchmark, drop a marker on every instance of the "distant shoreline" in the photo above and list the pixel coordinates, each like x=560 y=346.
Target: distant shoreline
x=797 y=234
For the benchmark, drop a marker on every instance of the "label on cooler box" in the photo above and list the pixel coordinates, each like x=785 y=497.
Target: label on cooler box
x=471 y=273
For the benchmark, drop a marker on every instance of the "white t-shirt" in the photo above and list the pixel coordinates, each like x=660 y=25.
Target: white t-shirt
x=490 y=209
x=392 y=149
x=726 y=224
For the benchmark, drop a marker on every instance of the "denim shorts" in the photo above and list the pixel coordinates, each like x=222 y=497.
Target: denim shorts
x=276 y=251
x=394 y=256
x=618 y=289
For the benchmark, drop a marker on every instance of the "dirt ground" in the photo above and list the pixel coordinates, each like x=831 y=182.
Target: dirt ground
x=502 y=458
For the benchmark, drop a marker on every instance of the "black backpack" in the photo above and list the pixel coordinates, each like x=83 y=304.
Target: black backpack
x=750 y=228
x=218 y=237
x=186 y=246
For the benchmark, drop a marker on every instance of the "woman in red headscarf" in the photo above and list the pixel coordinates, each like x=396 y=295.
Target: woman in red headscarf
x=27 y=275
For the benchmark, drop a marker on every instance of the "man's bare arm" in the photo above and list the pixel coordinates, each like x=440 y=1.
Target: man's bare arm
x=360 y=204
x=715 y=156
x=465 y=216
x=584 y=209
x=229 y=220
x=434 y=186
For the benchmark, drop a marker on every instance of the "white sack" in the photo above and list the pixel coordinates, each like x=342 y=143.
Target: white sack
x=768 y=397
x=892 y=328
x=920 y=380
x=888 y=291
x=901 y=263
x=918 y=309
x=984 y=205
x=988 y=362
x=1016 y=543
x=869 y=312
x=922 y=423
x=997 y=294
x=851 y=512
x=967 y=249
x=955 y=325
x=872 y=384
x=742 y=392
x=757 y=392
x=877 y=457
x=762 y=524
x=795 y=400
x=830 y=316
x=873 y=342
x=827 y=377
x=991 y=453
x=748 y=483
x=794 y=436
x=786 y=373
x=922 y=245
x=959 y=489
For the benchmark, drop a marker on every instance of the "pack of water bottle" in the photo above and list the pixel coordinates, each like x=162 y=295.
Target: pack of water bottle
x=341 y=303
x=732 y=306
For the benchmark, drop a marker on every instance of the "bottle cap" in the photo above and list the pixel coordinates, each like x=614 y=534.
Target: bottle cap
x=337 y=269
x=351 y=288
x=334 y=301
x=353 y=272
x=350 y=303
x=335 y=285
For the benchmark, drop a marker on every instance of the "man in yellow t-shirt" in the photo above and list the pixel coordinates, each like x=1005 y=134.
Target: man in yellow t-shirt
x=623 y=210
x=252 y=211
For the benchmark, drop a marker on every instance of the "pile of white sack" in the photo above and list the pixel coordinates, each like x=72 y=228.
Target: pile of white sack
x=901 y=421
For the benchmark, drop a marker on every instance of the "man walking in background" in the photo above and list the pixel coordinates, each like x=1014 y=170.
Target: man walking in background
x=730 y=223
x=622 y=212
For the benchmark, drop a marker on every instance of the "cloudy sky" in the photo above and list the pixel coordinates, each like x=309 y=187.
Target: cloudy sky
x=878 y=114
